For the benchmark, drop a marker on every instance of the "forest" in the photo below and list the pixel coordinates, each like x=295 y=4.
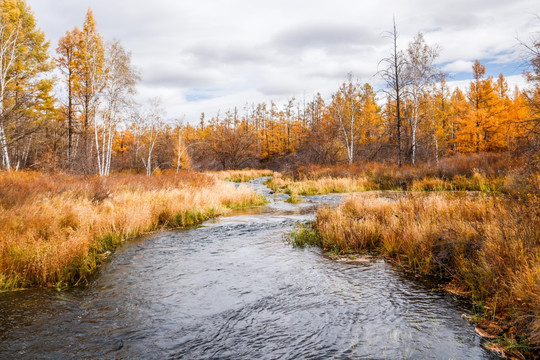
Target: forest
x=75 y=111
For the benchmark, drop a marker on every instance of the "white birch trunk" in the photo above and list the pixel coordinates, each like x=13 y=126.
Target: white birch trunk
x=112 y=132
x=4 y=147
x=97 y=150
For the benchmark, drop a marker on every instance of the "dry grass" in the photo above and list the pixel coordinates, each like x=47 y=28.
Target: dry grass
x=350 y=184
x=56 y=229
x=477 y=172
x=241 y=175
x=489 y=164
x=325 y=185
x=487 y=247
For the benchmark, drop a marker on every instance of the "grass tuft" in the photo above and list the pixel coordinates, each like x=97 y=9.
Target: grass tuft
x=305 y=235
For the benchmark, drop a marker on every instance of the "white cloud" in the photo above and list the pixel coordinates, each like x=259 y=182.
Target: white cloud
x=458 y=66
x=210 y=54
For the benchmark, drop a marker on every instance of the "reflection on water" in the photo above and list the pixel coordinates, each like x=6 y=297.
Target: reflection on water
x=234 y=288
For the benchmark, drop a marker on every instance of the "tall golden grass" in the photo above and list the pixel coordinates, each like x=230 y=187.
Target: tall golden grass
x=361 y=182
x=241 y=175
x=488 y=247
x=476 y=172
x=56 y=229
x=325 y=185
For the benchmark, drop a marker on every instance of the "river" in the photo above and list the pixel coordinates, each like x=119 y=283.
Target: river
x=233 y=288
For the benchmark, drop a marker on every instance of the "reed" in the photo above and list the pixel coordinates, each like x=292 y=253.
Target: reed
x=56 y=230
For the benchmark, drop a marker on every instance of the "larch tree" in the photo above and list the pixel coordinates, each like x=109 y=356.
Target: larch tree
x=370 y=122
x=465 y=129
x=67 y=62
x=483 y=97
x=90 y=81
x=441 y=122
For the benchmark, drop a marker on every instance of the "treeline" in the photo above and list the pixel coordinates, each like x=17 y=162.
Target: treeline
x=353 y=127
x=92 y=124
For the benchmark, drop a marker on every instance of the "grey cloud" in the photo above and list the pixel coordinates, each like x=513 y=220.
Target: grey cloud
x=277 y=89
x=456 y=20
x=327 y=36
x=341 y=74
x=177 y=78
x=219 y=54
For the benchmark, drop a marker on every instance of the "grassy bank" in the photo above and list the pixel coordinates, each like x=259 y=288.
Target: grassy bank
x=241 y=175
x=56 y=229
x=478 y=172
x=486 y=247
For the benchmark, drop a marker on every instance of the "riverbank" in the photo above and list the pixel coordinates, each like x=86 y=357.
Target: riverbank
x=55 y=230
x=485 y=247
x=490 y=173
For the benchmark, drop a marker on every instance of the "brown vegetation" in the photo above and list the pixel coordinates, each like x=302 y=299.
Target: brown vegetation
x=476 y=172
x=241 y=175
x=55 y=229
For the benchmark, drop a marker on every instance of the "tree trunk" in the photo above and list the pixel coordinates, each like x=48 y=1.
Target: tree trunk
x=179 y=151
x=4 y=148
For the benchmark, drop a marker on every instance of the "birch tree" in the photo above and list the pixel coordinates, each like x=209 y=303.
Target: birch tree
x=421 y=73
x=344 y=109
x=153 y=124
x=120 y=81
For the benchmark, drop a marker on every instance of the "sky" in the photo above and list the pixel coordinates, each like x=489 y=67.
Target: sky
x=210 y=55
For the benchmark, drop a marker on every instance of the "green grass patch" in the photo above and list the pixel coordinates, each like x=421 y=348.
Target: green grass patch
x=305 y=235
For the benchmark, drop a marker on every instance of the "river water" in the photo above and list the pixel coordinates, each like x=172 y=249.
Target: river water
x=233 y=288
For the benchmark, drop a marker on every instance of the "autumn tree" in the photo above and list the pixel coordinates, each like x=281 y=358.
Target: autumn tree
x=421 y=73
x=67 y=62
x=25 y=89
x=481 y=127
x=120 y=79
x=231 y=147
x=394 y=75
x=532 y=94
x=152 y=125
x=345 y=109
x=370 y=123
x=90 y=81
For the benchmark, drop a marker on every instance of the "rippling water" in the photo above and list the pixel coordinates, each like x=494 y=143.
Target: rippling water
x=233 y=288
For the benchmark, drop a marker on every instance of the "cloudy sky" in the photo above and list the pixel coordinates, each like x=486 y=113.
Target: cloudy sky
x=207 y=55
